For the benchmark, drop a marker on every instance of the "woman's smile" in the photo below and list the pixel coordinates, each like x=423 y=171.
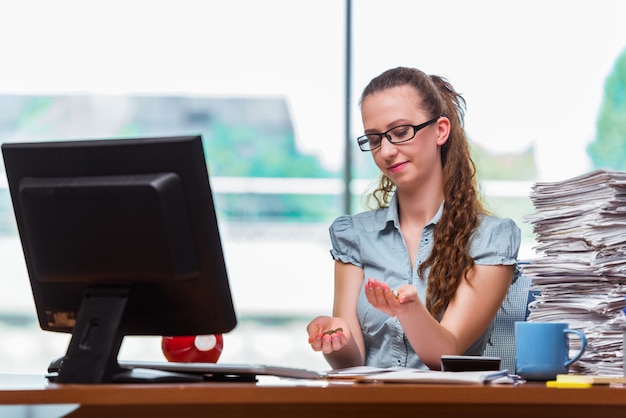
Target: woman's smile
x=397 y=167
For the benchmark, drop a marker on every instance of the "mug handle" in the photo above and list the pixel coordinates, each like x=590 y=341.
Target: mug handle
x=583 y=340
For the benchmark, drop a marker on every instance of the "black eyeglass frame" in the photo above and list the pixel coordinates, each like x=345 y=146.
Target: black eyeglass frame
x=363 y=140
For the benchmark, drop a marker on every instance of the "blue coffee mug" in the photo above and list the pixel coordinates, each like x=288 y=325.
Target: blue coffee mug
x=542 y=349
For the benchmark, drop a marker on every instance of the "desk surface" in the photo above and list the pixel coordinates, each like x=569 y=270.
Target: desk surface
x=303 y=399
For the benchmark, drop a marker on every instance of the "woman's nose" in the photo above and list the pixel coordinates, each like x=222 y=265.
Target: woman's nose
x=386 y=147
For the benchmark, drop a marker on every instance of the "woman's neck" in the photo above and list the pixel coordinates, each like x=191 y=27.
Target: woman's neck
x=419 y=206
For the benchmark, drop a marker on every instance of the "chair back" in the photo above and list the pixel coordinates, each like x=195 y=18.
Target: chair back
x=514 y=308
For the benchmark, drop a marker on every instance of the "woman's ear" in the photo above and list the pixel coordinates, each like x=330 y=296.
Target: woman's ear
x=443 y=130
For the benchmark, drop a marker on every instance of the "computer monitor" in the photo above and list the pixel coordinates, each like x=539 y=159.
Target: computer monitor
x=120 y=237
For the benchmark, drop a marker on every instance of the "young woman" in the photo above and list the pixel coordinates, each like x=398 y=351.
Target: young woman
x=424 y=273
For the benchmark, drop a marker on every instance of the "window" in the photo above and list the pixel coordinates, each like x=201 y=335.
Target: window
x=264 y=83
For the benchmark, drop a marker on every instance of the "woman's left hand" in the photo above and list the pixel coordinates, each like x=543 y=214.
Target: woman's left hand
x=391 y=302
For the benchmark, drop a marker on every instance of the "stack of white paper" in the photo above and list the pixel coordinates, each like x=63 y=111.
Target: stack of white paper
x=580 y=268
x=365 y=374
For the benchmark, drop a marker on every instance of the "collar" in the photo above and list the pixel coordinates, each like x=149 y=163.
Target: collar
x=392 y=214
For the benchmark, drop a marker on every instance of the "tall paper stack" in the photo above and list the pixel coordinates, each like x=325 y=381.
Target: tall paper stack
x=580 y=269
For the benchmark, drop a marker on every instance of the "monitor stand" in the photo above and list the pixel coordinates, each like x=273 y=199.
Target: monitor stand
x=95 y=344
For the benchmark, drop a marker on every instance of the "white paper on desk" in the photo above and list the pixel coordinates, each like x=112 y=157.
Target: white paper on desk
x=433 y=376
x=359 y=371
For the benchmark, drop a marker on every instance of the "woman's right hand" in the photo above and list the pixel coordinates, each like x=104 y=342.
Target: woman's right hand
x=328 y=334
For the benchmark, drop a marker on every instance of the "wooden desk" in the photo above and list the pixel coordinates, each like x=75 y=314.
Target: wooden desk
x=275 y=399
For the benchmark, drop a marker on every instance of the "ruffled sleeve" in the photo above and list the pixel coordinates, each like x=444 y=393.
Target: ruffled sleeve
x=496 y=242
x=344 y=241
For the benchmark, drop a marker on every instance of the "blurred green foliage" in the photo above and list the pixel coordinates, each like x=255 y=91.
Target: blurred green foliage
x=608 y=150
x=239 y=141
x=243 y=151
x=504 y=166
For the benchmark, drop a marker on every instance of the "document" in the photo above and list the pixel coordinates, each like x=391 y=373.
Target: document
x=368 y=374
x=579 y=273
x=433 y=376
x=359 y=371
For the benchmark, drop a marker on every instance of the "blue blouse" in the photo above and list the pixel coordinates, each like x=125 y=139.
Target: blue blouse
x=373 y=241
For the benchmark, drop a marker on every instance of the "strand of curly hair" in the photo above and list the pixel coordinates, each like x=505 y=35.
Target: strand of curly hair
x=449 y=260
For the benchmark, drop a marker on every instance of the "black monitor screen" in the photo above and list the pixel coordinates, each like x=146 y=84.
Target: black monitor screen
x=120 y=237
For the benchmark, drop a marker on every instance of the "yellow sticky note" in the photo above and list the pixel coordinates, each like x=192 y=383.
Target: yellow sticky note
x=557 y=384
x=593 y=379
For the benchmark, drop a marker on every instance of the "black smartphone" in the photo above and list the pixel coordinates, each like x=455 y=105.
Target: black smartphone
x=469 y=363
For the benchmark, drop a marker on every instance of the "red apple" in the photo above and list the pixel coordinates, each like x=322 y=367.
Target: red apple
x=193 y=349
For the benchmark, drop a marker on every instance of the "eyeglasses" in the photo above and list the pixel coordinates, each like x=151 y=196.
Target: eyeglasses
x=395 y=135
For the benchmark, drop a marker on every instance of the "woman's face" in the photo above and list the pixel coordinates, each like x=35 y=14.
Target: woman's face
x=409 y=163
